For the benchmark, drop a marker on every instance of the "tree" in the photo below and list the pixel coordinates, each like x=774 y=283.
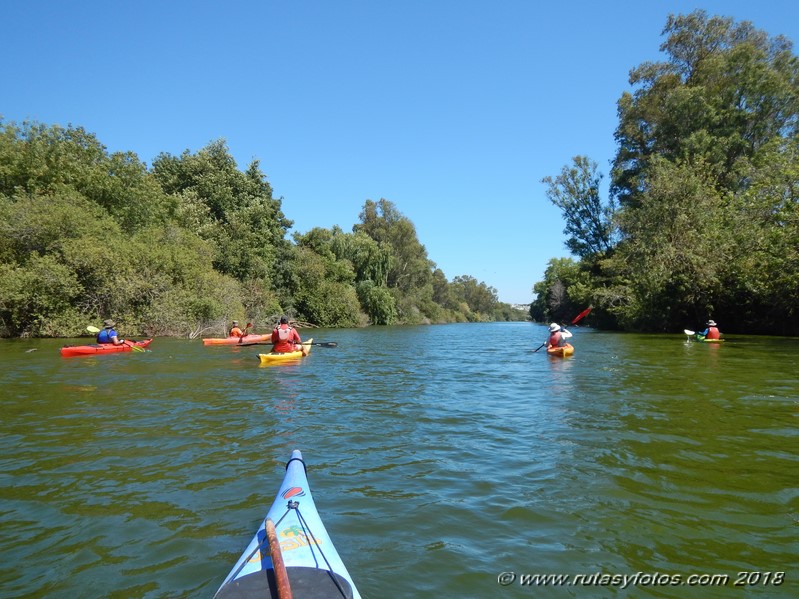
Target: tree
x=480 y=298
x=725 y=92
x=410 y=268
x=235 y=210
x=37 y=159
x=675 y=252
x=562 y=294
x=589 y=222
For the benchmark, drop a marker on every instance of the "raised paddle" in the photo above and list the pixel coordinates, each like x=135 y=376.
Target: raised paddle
x=244 y=332
x=582 y=314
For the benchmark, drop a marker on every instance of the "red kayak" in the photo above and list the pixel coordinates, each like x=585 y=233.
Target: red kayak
x=103 y=348
x=238 y=340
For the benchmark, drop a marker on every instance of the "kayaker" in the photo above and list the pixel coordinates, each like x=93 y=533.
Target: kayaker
x=109 y=334
x=557 y=336
x=285 y=338
x=712 y=331
x=235 y=331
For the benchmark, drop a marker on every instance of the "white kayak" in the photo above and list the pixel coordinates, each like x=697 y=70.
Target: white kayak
x=305 y=565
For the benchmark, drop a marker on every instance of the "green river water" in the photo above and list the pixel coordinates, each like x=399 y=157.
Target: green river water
x=447 y=461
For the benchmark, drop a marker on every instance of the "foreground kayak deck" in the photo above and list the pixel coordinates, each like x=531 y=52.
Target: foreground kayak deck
x=274 y=358
x=312 y=563
x=561 y=352
x=238 y=340
x=93 y=349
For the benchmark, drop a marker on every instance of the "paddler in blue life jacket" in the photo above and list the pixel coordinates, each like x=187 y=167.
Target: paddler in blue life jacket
x=109 y=334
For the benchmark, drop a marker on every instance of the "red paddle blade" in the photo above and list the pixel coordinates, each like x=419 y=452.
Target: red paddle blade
x=581 y=315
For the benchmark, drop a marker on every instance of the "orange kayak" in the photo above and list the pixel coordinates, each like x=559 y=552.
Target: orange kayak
x=238 y=340
x=561 y=352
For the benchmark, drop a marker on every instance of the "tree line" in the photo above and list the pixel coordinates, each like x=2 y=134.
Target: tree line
x=701 y=218
x=192 y=242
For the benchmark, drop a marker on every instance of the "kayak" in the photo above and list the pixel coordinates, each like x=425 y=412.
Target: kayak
x=703 y=340
x=237 y=340
x=276 y=358
x=303 y=549
x=561 y=352
x=102 y=348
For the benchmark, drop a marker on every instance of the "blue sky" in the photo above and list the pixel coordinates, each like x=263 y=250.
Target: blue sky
x=454 y=110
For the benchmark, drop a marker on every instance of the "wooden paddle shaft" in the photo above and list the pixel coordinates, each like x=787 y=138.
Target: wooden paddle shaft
x=281 y=576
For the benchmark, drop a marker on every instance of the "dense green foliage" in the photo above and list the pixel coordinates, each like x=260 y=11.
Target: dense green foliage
x=186 y=246
x=703 y=216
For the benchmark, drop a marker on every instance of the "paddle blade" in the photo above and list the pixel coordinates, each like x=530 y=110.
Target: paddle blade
x=582 y=315
x=92 y=329
x=687 y=332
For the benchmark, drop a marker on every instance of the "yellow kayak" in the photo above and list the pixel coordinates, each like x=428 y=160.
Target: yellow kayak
x=275 y=358
x=562 y=352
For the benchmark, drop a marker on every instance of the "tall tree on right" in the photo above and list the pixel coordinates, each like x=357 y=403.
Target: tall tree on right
x=706 y=225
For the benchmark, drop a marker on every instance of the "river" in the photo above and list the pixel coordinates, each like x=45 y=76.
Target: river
x=447 y=460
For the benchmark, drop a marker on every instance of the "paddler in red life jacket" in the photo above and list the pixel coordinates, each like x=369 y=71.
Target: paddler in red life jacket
x=109 y=336
x=235 y=331
x=712 y=331
x=286 y=338
x=557 y=336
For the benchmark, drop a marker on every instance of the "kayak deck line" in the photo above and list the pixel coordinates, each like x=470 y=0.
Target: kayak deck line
x=291 y=553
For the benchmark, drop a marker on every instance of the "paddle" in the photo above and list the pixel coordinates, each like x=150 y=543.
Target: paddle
x=582 y=315
x=95 y=330
x=321 y=343
x=278 y=565
x=244 y=332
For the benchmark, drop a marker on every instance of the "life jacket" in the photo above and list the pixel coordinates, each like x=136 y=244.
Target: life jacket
x=556 y=339
x=105 y=335
x=712 y=333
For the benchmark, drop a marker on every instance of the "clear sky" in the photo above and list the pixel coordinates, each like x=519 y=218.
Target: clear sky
x=454 y=110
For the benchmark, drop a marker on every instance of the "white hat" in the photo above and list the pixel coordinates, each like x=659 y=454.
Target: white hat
x=554 y=327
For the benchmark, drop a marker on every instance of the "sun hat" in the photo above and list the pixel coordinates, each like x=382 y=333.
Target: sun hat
x=554 y=327
x=109 y=324
x=711 y=323
x=236 y=322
